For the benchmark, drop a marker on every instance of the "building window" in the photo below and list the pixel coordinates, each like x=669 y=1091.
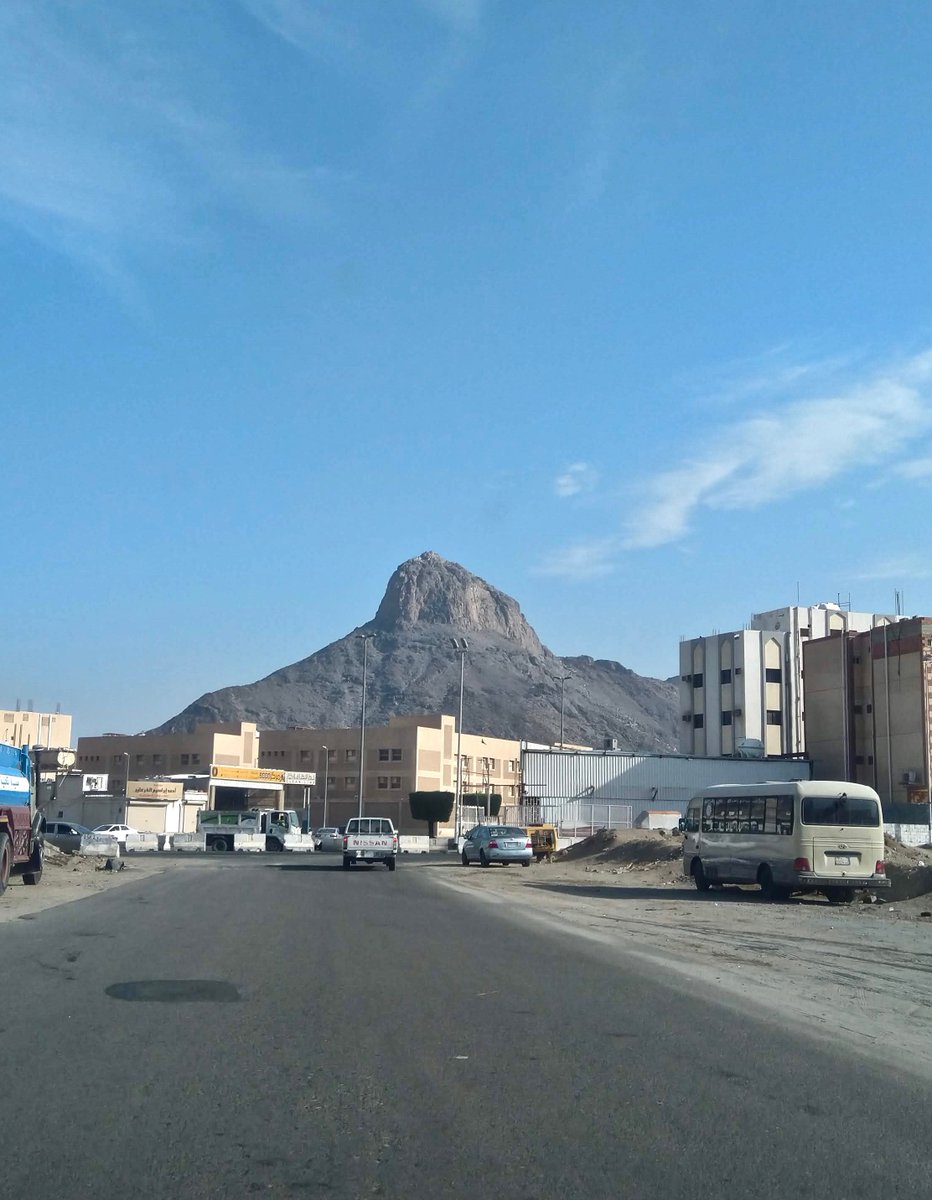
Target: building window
x=492 y=764
x=697 y=680
x=686 y=678
x=383 y=755
x=305 y=755
x=350 y=755
x=869 y=708
x=726 y=718
x=773 y=675
x=395 y=783
x=774 y=716
x=156 y=760
x=396 y=755
x=331 y=781
x=698 y=721
x=195 y=759
x=383 y=783
x=140 y=759
x=351 y=781
x=726 y=675
x=185 y=759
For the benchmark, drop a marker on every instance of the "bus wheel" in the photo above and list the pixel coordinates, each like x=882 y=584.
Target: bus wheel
x=699 y=877
x=769 y=890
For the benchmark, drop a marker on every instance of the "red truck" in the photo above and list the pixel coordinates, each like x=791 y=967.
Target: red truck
x=20 y=824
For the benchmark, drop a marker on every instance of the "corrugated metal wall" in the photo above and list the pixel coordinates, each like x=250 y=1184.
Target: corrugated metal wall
x=567 y=786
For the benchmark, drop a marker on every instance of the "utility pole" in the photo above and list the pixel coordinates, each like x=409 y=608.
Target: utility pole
x=460 y=647
x=366 y=639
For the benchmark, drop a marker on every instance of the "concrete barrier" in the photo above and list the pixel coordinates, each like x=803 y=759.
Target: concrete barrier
x=141 y=842
x=185 y=841
x=414 y=844
x=249 y=842
x=102 y=844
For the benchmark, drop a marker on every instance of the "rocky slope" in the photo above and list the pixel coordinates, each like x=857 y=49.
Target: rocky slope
x=512 y=681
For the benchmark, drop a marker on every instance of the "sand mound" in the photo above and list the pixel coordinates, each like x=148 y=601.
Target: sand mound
x=618 y=847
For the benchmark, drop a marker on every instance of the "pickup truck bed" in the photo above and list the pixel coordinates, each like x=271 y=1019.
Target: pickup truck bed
x=370 y=840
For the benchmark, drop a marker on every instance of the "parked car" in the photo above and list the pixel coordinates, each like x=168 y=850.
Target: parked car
x=65 y=835
x=505 y=844
x=119 y=833
x=329 y=839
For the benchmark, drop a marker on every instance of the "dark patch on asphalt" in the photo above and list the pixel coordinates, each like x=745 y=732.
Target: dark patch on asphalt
x=175 y=991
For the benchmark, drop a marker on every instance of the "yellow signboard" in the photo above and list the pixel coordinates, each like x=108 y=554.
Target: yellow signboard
x=248 y=774
x=154 y=789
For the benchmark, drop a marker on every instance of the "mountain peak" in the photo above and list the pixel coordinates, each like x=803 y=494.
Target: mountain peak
x=430 y=590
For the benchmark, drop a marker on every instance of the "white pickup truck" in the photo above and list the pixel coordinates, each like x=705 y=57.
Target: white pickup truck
x=370 y=840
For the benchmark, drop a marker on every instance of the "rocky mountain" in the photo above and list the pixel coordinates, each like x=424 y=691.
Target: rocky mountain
x=512 y=681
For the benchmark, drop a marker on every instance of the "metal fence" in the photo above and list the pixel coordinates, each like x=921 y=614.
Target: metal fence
x=574 y=818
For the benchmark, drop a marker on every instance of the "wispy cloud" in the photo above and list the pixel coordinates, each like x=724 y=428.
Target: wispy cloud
x=916 y=469
x=601 y=137
x=108 y=142
x=909 y=566
x=461 y=15
x=585 y=560
x=309 y=27
x=777 y=454
x=793 y=444
x=578 y=477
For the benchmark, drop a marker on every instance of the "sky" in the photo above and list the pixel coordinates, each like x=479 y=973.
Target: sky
x=623 y=306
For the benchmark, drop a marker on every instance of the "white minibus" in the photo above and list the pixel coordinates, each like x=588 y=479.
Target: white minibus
x=805 y=836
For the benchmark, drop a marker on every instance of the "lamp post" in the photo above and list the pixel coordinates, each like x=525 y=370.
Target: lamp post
x=460 y=646
x=366 y=638
x=326 y=781
x=563 y=679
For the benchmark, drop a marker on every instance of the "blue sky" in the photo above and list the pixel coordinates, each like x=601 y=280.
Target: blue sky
x=623 y=306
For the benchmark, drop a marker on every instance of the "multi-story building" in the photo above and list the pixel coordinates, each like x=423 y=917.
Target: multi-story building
x=869 y=708
x=123 y=757
x=746 y=686
x=409 y=754
x=18 y=728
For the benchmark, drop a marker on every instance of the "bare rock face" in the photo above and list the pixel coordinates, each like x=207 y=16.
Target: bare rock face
x=428 y=590
x=512 y=681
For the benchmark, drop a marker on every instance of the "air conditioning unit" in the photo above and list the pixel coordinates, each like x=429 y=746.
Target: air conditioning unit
x=910 y=777
x=738 y=712
x=687 y=717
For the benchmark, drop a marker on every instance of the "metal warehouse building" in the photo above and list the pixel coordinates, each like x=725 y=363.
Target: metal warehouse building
x=578 y=790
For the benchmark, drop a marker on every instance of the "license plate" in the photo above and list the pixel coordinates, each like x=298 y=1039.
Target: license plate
x=368 y=854
x=842 y=860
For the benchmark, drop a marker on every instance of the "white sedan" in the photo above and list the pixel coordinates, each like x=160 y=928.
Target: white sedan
x=119 y=833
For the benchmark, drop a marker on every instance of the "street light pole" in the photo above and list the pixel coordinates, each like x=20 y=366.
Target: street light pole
x=366 y=638
x=563 y=679
x=460 y=646
x=326 y=781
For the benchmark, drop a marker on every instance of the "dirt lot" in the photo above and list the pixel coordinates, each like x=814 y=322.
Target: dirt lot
x=66 y=878
x=862 y=973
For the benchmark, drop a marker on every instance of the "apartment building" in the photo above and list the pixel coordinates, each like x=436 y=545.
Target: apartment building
x=409 y=754
x=748 y=685
x=869 y=708
x=24 y=728
x=124 y=757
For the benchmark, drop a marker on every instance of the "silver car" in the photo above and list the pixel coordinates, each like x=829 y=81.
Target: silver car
x=66 y=835
x=329 y=840
x=505 y=844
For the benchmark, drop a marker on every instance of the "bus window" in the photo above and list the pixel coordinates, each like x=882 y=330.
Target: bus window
x=840 y=810
x=784 y=814
x=758 y=814
x=691 y=823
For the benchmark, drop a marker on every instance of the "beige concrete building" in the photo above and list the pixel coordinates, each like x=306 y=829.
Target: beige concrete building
x=869 y=708
x=412 y=753
x=409 y=754
x=18 y=728
x=748 y=684
x=125 y=757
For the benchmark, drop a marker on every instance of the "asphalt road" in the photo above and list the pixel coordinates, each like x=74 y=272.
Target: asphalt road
x=275 y=1025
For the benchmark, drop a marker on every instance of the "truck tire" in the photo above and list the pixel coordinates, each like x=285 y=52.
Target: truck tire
x=347 y=863
x=390 y=864
x=33 y=871
x=6 y=861
x=218 y=844
x=274 y=846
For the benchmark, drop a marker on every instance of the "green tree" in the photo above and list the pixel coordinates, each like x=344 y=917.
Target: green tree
x=490 y=805
x=432 y=807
